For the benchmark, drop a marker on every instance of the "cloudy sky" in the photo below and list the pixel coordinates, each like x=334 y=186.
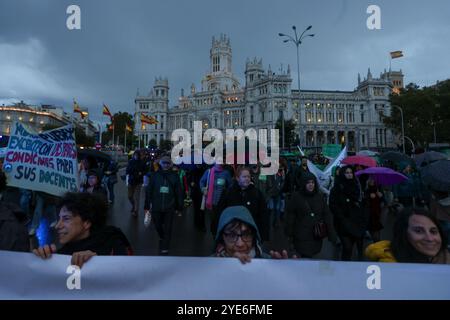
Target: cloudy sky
x=124 y=45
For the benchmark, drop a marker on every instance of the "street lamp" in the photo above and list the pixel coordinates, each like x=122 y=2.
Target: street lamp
x=297 y=41
x=403 y=127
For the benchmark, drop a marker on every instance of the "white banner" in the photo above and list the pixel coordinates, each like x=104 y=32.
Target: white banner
x=25 y=276
x=43 y=162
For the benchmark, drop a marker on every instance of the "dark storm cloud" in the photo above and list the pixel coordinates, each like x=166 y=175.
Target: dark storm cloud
x=124 y=45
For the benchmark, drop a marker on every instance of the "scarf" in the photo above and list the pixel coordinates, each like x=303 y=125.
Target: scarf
x=209 y=196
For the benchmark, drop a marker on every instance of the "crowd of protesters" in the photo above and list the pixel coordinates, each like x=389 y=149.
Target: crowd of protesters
x=245 y=209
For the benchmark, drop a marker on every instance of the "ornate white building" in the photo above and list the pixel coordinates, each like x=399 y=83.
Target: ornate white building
x=351 y=117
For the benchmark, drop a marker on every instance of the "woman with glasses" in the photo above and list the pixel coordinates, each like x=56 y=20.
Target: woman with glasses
x=238 y=236
x=350 y=218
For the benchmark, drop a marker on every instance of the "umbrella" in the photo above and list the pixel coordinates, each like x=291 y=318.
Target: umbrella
x=367 y=153
x=437 y=175
x=383 y=176
x=97 y=155
x=426 y=158
x=397 y=157
x=360 y=160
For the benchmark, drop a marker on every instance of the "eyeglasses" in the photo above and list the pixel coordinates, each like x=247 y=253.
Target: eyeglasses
x=246 y=236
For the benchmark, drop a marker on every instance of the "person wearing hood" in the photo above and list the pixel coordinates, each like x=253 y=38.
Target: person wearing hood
x=350 y=218
x=244 y=193
x=417 y=238
x=238 y=236
x=82 y=231
x=306 y=211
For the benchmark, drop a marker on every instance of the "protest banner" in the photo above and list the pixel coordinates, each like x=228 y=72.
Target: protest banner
x=25 y=276
x=44 y=162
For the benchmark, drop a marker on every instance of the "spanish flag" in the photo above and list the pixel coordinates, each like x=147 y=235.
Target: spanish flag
x=106 y=111
x=76 y=107
x=148 y=119
x=396 y=54
x=127 y=127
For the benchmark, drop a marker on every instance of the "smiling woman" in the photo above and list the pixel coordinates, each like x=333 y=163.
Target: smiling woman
x=418 y=238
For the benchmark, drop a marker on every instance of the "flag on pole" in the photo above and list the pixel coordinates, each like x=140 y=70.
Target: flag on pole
x=106 y=111
x=76 y=107
x=148 y=119
x=396 y=54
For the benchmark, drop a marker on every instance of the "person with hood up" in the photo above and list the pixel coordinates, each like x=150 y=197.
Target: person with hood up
x=306 y=210
x=350 y=218
x=238 y=236
x=417 y=238
x=82 y=230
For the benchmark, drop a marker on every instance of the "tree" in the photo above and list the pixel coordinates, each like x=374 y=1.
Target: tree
x=426 y=111
x=289 y=130
x=152 y=144
x=165 y=145
x=120 y=121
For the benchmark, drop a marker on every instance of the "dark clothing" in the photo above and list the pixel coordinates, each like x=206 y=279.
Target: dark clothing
x=262 y=183
x=104 y=242
x=304 y=210
x=194 y=177
x=373 y=207
x=164 y=192
x=163 y=223
x=350 y=218
x=135 y=172
x=347 y=247
x=13 y=230
x=253 y=200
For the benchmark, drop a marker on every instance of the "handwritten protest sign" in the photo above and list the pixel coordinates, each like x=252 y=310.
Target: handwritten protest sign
x=42 y=162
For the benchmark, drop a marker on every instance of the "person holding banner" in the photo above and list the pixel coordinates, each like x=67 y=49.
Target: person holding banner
x=309 y=219
x=417 y=238
x=82 y=231
x=350 y=218
x=13 y=230
x=238 y=236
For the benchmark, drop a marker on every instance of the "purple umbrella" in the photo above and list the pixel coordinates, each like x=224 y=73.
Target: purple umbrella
x=383 y=176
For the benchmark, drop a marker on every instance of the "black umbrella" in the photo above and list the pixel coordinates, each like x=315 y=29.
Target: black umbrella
x=437 y=175
x=426 y=158
x=92 y=153
x=396 y=157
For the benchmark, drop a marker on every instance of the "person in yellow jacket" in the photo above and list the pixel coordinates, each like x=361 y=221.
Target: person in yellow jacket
x=418 y=238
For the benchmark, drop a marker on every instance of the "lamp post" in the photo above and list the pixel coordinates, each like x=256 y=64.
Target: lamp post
x=403 y=127
x=297 y=41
